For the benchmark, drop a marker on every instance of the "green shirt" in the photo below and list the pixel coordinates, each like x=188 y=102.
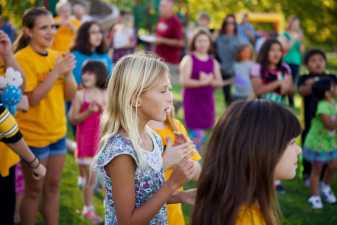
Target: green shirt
x=293 y=55
x=319 y=138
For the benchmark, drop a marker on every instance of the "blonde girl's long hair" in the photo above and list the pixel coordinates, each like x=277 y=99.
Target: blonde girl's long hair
x=132 y=75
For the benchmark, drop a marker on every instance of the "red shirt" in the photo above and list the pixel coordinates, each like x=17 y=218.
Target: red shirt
x=173 y=29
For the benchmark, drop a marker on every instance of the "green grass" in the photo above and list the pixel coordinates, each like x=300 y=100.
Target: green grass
x=295 y=209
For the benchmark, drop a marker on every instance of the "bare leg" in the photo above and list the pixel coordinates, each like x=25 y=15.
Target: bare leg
x=32 y=196
x=316 y=169
x=83 y=171
x=51 y=192
x=88 y=187
x=18 y=200
x=330 y=172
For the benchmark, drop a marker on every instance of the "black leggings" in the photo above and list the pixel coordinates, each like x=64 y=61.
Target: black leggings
x=7 y=198
x=227 y=89
x=294 y=73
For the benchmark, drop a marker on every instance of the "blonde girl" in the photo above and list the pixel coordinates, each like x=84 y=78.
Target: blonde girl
x=131 y=153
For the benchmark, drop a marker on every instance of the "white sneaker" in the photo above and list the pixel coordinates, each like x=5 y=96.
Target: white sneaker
x=327 y=194
x=316 y=202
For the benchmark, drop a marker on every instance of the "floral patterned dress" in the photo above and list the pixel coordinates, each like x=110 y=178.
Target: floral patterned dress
x=320 y=144
x=148 y=178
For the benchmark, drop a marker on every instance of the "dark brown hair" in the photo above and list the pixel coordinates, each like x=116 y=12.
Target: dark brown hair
x=240 y=49
x=263 y=57
x=100 y=72
x=82 y=41
x=28 y=21
x=225 y=23
x=238 y=172
x=196 y=34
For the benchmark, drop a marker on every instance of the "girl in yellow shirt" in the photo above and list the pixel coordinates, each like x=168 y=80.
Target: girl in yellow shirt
x=48 y=84
x=252 y=144
x=67 y=27
x=173 y=132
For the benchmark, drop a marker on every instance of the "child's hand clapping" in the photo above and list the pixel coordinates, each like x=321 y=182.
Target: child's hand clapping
x=205 y=78
x=285 y=85
x=175 y=154
x=64 y=64
x=94 y=107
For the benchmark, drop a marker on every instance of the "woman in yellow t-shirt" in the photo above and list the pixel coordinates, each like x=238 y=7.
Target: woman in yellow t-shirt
x=67 y=27
x=252 y=144
x=48 y=84
x=173 y=132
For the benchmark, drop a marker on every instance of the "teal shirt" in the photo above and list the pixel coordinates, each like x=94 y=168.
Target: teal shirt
x=319 y=138
x=293 y=55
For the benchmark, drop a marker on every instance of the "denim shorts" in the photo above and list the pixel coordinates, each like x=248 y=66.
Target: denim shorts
x=56 y=148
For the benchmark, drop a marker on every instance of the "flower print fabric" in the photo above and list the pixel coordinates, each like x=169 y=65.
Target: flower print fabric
x=148 y=178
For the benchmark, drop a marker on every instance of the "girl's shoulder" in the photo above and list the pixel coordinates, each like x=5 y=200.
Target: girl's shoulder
x=325 y=107
x=23 y=53
x=255 y=70
x=114 y=146
x=250 y=215
x=187 y=59
x=28 y=54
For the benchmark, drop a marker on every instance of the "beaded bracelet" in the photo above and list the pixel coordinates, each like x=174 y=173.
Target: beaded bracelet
x=31 y=162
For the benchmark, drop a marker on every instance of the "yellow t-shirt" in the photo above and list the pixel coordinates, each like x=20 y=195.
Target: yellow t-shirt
x=44 y=123
x=7 y=157
x=65 y=37
x=174 y=211
x=250 y=216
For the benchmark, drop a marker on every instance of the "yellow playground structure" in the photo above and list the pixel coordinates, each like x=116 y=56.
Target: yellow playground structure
x=275 y=19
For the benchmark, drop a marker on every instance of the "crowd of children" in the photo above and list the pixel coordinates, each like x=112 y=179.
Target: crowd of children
x=120 y=107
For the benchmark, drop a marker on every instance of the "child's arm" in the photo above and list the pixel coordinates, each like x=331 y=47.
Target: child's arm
x=217 y=80
x=21 y=148
x=305 y=88
x=13 y=138
x=175 y=154
x=329 y=122
x=75 y=116
x=63 y=65
x=70 y=86
x=287 y=87
x=260 y=88
x=186 y=196
x=123 y=190
x=185 y=69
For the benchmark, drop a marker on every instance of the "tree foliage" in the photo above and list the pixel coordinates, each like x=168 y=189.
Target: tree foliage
x=318 y=18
